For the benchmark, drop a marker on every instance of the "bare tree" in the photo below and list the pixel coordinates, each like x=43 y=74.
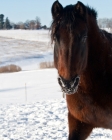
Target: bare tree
x=32 y=24
x=105 y=23
x=37 y=22
x=21 y=25
x=27 y=24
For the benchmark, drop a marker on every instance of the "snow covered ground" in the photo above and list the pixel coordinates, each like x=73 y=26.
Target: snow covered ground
x=31 y=103
x=32 y=35
x=23 y=47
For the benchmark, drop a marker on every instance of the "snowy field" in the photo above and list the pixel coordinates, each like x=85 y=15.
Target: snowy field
x=23 y=47
x=31 y=103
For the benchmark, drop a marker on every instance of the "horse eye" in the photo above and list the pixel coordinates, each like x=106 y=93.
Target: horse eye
x=54 y=38
x=84 y=39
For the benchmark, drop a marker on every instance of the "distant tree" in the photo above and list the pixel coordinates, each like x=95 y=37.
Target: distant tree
x=7 y=24
x=32 y=25
x=1 y=21
x=21 y=25
x=105 y=23
x=44 y=27
x=27 y=24
x=12 y=24
x=16 y=26
x=109 y=23
x=37 y=23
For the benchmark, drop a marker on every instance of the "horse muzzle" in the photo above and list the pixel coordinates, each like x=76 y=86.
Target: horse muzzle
x=69 y=86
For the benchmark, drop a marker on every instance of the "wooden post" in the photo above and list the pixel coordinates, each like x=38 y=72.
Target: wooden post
x=25 y=93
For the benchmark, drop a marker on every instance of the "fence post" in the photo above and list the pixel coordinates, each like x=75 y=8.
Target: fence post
x=25 y=93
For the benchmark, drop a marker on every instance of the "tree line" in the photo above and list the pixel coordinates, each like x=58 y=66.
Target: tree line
x=36 y=24
x=28 y=24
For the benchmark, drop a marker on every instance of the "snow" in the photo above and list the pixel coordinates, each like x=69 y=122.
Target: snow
x=107 y=29
x=19 y=49
x=32 y=35
x=43 y=120
x=31 y=102
x=37 y=84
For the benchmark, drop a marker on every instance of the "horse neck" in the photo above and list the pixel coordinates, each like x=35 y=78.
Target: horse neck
x=98 y=44
x=97 y=55
x=93 y=31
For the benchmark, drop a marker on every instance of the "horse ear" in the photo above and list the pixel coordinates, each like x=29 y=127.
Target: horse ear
x=80 y=8
x=56 y=9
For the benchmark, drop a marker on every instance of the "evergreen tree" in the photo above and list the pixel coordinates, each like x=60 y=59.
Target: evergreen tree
x=7 y=24
x=1 y=21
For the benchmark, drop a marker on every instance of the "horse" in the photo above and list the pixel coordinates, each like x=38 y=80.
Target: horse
x=83 y=59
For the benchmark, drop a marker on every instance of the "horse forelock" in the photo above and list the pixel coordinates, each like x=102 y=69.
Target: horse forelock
x=68 y=19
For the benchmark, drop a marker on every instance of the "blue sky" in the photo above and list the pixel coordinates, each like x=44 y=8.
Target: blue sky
x=22 y=10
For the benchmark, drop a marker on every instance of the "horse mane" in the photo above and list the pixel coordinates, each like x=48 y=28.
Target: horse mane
x=91 y=11
x=106 y=34
x=68 y=19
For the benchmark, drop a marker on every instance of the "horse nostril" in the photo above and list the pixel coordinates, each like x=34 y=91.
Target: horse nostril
x=77 y=79
x=63 y=82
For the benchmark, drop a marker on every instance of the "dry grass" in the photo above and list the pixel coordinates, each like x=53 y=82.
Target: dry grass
x=44 y=65
x=10 y=68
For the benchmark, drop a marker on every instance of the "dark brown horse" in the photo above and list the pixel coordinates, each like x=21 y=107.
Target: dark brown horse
x=83 y=58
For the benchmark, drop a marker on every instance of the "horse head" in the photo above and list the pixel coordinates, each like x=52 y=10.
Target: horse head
x=69 y=34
